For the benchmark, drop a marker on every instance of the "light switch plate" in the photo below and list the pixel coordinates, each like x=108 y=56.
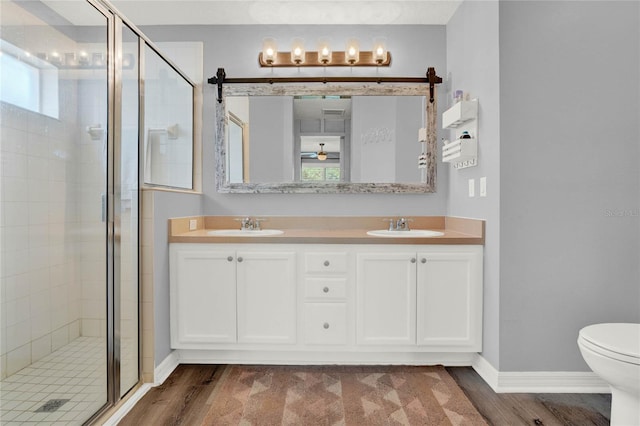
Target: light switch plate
x=483 y=186
x=472 y=187
x=193 y=224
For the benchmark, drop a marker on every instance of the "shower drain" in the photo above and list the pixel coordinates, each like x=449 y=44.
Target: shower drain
x=51 y=405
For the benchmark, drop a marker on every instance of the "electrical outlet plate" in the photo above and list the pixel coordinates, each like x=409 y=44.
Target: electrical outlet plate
x=193 y=224
x=472 y=187
x=483 y=186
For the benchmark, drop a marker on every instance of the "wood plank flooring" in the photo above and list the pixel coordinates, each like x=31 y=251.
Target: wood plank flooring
x=549 y=409
x=182 y=400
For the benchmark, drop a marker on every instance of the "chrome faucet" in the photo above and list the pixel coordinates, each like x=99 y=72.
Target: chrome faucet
x=246 y=224
x=250 y=224
x=400 y=224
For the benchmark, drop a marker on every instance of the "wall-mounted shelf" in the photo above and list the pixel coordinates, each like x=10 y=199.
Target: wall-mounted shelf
x=461 y=118
x=460 y=113
x=461 y=153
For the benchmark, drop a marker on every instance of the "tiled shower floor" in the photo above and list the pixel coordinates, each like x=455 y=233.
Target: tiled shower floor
x=76 y=372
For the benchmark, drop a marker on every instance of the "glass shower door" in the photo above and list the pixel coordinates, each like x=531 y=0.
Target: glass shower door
x=54 y=273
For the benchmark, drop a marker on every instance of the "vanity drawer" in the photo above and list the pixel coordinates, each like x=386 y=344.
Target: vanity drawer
x=325 y=288
x=325 y=323
x=326 y=262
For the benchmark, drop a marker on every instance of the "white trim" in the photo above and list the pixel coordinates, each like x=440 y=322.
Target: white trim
x=197 y=356
x=485 y=370
x=128 y=405
x=165 y=368
x=160 y=374
x=539 y=381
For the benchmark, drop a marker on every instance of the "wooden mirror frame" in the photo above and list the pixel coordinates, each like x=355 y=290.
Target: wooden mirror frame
x=355 y=89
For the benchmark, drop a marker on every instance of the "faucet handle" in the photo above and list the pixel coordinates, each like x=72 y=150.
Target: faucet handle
x=256 y=223
x=390 y=223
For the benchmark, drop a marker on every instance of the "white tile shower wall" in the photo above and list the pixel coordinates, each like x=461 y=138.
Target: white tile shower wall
x=38 y=265
x=52 y=252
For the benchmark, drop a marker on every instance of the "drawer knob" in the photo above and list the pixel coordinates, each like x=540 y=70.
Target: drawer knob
x=326 y=325
x=326 y=263
x=326 y=289
x=423 y=260
x=230 y=258
x=240 y=259
x=413 y=260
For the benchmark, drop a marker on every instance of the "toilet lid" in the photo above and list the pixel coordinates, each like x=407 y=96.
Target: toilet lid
x=621 y=338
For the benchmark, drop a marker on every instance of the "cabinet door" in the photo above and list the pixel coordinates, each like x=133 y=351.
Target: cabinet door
x=450 y=300
x=386 y=289
x=203 y=297
x=266 y=297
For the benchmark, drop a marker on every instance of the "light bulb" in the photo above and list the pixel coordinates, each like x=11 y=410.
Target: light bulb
x=269 y=50
x=324 y=50
x=352 y=52
x=379 y=50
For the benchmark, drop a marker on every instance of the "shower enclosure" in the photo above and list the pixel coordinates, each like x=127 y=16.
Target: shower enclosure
x=71 y=76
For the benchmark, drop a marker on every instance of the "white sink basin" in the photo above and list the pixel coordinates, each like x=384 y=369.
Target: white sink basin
x=413 y=233
x=244 y=233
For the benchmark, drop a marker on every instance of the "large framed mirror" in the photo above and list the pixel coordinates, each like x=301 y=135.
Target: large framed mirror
x=306 y=138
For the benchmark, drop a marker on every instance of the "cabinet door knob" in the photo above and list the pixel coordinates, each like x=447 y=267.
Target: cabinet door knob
x=326 y=289
x=230 y=258
x=413 y=260
x=326 y=263
x=326 y=325
x=423 y=260
x=240 y=259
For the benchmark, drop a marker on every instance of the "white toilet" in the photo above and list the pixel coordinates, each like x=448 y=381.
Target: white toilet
x=612 y=351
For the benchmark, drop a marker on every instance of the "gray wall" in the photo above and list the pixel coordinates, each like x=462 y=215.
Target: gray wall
x=473 y=66
x=165 y=206
x=236 y=48
x=569 y=185
x=563 y=229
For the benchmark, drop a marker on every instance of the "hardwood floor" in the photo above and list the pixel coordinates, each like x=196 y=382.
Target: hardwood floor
x=547 y=409
x=182 y=400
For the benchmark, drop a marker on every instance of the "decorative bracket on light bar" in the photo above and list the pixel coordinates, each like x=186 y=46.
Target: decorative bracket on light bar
x=335 y=59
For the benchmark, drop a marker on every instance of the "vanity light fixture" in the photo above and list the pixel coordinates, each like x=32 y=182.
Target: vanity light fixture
x=321 y=154
x=324 y=56
x=352 y=51
x=379 y=49
x=269 y=51
x=324 y=51
x=297 y=51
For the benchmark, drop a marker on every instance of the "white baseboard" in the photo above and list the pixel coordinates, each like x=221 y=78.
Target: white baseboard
x=160 y=374
x=165 y=368
x=128 y=405
x=198 y=356
x=539 y=381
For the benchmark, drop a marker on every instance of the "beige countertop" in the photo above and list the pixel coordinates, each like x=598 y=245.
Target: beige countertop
x=328 y=230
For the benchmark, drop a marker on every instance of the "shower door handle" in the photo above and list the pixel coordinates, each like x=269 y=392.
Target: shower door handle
x=104 y=207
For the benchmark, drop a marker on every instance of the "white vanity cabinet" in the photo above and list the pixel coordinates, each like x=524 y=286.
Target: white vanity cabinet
x=203 y=296
x=266 y=296
x=326 y=303
x=449 y=299
x=386 y=298
x=326 y=280
x=226 y=296
x=429 y=298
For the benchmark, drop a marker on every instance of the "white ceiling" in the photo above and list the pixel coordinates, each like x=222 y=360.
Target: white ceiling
x=257 y=12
